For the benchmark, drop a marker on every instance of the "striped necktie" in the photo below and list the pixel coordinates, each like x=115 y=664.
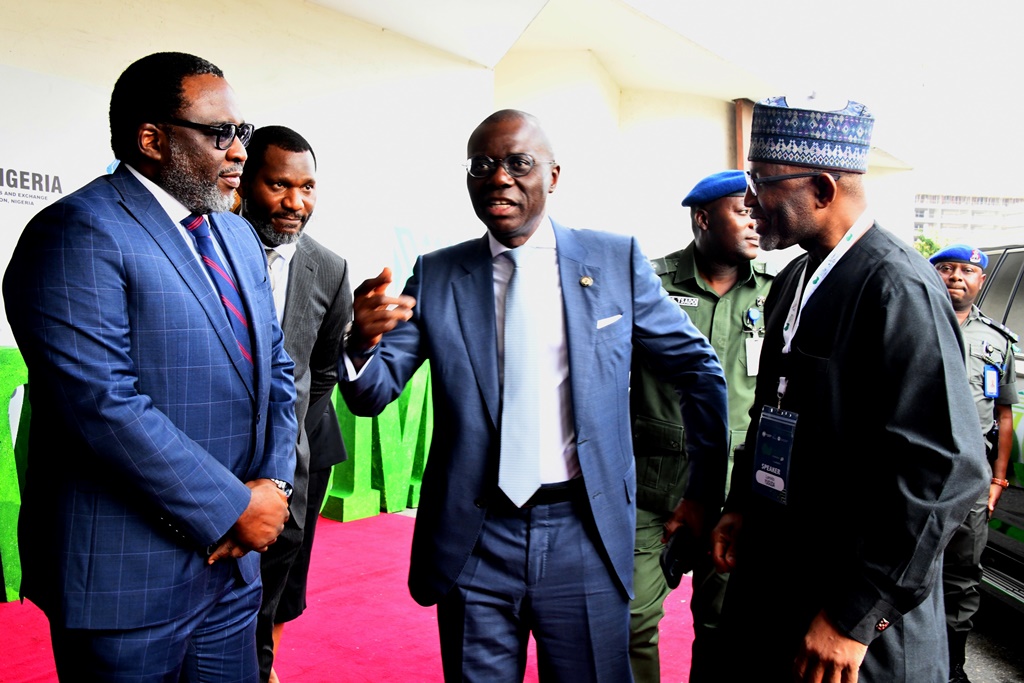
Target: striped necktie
x=222 y=280
x=519 y=459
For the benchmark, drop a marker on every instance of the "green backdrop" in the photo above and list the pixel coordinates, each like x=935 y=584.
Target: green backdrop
x=386 y=456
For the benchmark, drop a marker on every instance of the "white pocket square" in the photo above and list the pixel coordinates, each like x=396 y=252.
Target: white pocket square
x=605 y=322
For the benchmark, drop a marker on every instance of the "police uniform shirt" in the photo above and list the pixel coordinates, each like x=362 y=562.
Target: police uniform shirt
x=728 y=321
x=987 y=343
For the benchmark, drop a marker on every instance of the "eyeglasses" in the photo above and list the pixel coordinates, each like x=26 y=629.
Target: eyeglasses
x=753 y=182
x=516 y=165
x=225 y=133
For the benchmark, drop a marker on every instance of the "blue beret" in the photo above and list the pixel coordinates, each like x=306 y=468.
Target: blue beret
x=960 y=253
x=716 y=185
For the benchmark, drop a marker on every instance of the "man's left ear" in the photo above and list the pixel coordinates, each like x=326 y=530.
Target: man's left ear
x=555 y=170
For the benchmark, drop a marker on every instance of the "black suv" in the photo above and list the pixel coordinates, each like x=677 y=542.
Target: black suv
x=1002 y=299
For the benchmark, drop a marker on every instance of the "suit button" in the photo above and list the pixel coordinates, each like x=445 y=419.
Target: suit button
x=480 y=503
x=258 y=417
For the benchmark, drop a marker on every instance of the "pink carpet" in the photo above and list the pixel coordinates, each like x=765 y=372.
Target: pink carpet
x=361 y=626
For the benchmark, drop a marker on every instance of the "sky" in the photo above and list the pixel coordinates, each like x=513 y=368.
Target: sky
x=942 y=78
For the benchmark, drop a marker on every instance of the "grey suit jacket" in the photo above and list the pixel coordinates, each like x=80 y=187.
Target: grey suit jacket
x=319 y=305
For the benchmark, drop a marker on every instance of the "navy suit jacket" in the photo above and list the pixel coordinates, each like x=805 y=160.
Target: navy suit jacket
x=146 y=419
x=453 y=326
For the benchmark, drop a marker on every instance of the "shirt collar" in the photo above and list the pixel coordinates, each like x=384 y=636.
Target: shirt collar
x=286 y=251
x=174 y=209
x=542 y=238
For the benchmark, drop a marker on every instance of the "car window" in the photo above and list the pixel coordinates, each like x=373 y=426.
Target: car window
x=999 y=288
x=1015 y=316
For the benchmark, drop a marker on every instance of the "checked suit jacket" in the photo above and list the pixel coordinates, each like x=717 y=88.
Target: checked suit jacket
x=612 y=300
x=146 y=418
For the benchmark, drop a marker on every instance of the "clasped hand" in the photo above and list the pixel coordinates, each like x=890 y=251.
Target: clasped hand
x=260 y=524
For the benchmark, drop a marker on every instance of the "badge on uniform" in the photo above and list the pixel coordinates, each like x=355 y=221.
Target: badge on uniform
x=690 y=301
x=754 y=342
x=772 y=453
x=990 y=381
x=753 y=346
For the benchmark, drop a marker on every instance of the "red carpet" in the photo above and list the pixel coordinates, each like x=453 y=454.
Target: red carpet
x=361 y=626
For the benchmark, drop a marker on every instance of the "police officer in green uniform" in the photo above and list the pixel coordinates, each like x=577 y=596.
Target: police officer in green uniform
x=717 y=283
x=988 y=348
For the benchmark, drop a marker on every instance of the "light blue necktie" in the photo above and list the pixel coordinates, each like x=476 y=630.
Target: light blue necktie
x=519 y=460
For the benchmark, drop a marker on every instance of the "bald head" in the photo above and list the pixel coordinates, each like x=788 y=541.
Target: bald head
x=526 y=122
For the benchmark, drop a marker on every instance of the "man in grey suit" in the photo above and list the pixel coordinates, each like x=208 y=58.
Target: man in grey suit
x=314 y=303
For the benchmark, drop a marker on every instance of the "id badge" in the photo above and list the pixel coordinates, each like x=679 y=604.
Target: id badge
x=772 y=453
x=754 y=345
x=991 y=381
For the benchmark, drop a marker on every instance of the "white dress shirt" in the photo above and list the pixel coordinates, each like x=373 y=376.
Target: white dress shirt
x=279 y=269
x=558 y=459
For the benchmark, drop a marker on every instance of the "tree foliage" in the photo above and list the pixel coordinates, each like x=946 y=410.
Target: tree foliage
x=926 y=246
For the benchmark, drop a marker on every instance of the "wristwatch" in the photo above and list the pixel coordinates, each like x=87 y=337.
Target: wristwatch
x=284 y=487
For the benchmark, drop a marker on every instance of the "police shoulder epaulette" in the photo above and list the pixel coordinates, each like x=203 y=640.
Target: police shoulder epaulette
x=664 y=265
x=763 y=268
x=999 y=327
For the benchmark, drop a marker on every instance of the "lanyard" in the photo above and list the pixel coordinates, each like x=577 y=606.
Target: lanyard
x=809 y=287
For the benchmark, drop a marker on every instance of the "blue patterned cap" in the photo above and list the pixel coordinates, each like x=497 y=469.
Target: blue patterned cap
x=715 y=186
x=833 y=140
x=960 y=253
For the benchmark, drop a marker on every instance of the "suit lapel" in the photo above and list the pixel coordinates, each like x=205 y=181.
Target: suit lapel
x=580 y=304
x=474 y=299
x=152 y=218
x=235 y=252
x=301 y=279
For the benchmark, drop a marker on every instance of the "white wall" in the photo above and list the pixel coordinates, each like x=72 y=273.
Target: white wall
x=670 y=142
x=388 y=117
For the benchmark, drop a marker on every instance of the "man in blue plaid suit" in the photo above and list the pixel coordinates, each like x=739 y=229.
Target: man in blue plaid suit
x=162 y=442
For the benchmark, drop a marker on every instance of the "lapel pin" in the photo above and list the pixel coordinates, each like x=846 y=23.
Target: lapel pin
x=586 y=281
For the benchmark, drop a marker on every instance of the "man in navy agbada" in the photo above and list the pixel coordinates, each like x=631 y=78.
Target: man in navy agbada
x=163 y=431
x=863 y=453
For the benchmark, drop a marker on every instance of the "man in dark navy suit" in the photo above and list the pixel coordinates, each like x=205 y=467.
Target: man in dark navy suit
x=527 y=510
x=163 y=435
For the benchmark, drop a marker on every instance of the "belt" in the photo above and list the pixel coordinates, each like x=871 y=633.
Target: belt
x=547 y=494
